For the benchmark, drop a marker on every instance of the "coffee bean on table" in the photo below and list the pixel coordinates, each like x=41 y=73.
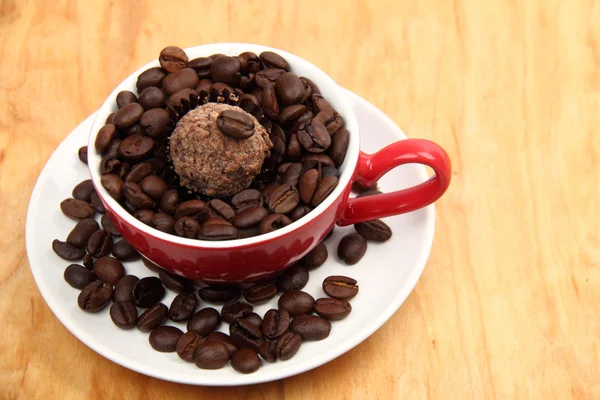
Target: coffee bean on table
x=311 y=327
x=97 y=203
x=275 y=323
x=274 y=60
x=109 y=270
x=82 y=154
x=83 y=190
x=164 y=338
x=124 y=251
x=125 y=97
x=128 y=115
x=211 y=355
x=242 y=337
x=260 y=293
x=204 y=321
x=340 y=287
x=153 y=317
x=234 y=310
x=332 y=309
x=164 y=222
x=283 y=199
x=136 y=147
x=81 y=233
x=94 y=296
x=172 y=58
x=187 y=344
x=152 y=97
x=76 y=209
x=352 y=248
x=216 y=294
x=316 y=257
x=254 y=319
x=66 y=251
x=151 y=77
x=376 y=230
x=124 y=288
x=296 y=303
x=273 y=222
x=324 y=188
x=183 y=306
x=78 y=276
x=187 y=227
x=223 y=338
x=268 y=351
x=174 y=282
x=287 y=345
x=99 y=244
x=148 y=291
x=245 y=361
x=124 y=314
x=235 y=124
x=113 y=185
x=293 y=278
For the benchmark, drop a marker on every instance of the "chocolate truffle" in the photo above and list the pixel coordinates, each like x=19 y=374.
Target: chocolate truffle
x=209 y=162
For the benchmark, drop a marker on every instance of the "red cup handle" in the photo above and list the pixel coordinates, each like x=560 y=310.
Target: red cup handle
x=371 y=167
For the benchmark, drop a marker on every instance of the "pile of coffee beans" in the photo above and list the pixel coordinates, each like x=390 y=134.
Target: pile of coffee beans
x=309 y=138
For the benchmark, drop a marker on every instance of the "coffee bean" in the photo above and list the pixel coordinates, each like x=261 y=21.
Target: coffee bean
x=153 y=317
x=78 y=276
x=164 y=338
x=187 y=227
x=211 y=355
x=308 y=185
x=172 y=59
x=219 y=208
x=88 y=261
x=245 y=361
x=164 y=222
x=138 y=172
x=293 y=278
x=124 y=251
x=150 y=77
x=124 y=314
x=339 y=146
x=187 y=344
x=247 y=198
x=99 y=244
x=94 y=296
x=183 y=101
x=279 y=140
x=125 y=97
x=300 y=211
x=322 y=159
x=311 y=327
x=249 y=216
x=204 y=321
x=290 y=88
x=82 y=154
x=223 y=338
x=234 y=310
x=217 y=229
x=253 y=63
x=148 y=291
x=136 y=197
x=296 y=303
x=303 y=119
x=276 y=323
x=268 y=76
x=291 y=113
x=104 y=137
x=274 y=60
x=145 y=216
x=176 y=283
x=314 y=137
x=273 y=222
x=178 y=80
x=109 y=119
x=226 y=69
x=183 y=306
x=324 y=189
x=287 y=345
x=332 y=309
x=294 y=148
x=352 y=248
x=254 y=319
x=249 y=328
x=244 y=338
x=169 y=201
x=235 y=124
x=376 y=230
x=204 y=88
x=283 y=199
x=127 y=116
x=213 y=294
x=124 y=288
x=152 y=97
x=331 y=119
x=260 y=293
x=291 y=176
x=113 y=185
x=81 y=233
x=268 y=351
x=269 y=101
x=109 y=270
x=190 y=208
x=201 y=65
x=136 y=147
x=155 y=122
x=340 y=287
x=76 y=209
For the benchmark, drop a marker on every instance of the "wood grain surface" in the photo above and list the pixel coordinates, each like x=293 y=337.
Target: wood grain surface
x=509 y=304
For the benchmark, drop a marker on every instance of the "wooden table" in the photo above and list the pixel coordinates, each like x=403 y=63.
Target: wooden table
x=508 y=306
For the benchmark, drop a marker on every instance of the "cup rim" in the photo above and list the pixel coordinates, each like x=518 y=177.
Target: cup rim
x=326 y=85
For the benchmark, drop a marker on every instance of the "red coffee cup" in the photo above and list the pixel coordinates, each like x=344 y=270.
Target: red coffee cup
x=257 y=258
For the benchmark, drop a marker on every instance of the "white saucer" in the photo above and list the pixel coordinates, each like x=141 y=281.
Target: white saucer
x=386 y=275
